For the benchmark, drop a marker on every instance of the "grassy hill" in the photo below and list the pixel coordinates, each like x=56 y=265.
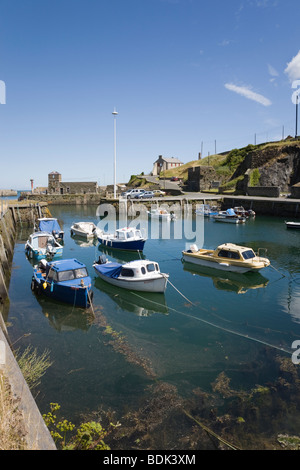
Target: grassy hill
x=230 y=167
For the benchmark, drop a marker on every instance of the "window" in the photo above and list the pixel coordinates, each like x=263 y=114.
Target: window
x=126 y=272
x=248 y=254
x=81 y=272
x=52 y=276
x=66 y=276
x=143 y=270
x=228 y=254
x=150 y=268
x=121 y=235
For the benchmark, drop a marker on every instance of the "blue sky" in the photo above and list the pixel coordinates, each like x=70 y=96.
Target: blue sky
x=182 y=74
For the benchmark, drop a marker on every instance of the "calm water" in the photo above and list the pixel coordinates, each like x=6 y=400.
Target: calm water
x=235 y=324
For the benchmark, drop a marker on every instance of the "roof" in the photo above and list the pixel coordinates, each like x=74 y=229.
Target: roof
x=232 y=246
x=169 y=160
x=66 y=264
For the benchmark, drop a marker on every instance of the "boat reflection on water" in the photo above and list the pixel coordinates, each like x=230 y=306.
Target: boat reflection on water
x=84 y=243
x=229 y=281
x=121 y=256
x=142 y=304
x=63 y=317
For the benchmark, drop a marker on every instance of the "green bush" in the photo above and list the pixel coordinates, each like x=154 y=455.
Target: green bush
x=254 y=177
x=237 y=156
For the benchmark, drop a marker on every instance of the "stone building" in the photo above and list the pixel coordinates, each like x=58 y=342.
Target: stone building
x=163 y=164
x=57 y=186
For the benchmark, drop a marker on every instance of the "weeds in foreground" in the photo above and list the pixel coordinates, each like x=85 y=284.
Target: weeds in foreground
x=33 y=366
x=88 y=436
x=12 y=431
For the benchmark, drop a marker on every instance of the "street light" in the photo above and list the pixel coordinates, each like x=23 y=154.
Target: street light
x=115 y=152
x=297 y=117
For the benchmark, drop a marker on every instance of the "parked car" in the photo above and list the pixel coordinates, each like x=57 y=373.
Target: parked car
x=146 y=195
x=158 y=193
x=174 y=178
x=134 y=193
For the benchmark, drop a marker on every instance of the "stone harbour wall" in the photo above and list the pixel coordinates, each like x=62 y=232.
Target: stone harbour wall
x=37 y=436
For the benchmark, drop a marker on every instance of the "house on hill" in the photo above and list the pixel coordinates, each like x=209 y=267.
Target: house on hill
x=57 y=186
x=163 y=164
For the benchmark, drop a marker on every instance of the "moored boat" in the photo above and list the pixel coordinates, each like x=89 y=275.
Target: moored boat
x=244 y=212
x=65 y=280
x=293 y=225
x=227 y=257
x=161 y=214
x=51 y=225
x=206 y=211
x=42 y=245
x=84 y=229
x=137 y=275
x=229 y=216
x=128 y=238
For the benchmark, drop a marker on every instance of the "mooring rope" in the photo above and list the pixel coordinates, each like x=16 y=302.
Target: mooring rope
x=227 y=330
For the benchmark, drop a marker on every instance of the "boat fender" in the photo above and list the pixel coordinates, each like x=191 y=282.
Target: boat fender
x=45 y=285
x=194 y=248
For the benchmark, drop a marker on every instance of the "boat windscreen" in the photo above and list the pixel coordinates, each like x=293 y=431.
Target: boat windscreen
x=81 y=272
x=248 y=254
x=66 y=275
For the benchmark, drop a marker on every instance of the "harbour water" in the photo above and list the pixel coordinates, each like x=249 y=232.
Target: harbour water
x=216 y=344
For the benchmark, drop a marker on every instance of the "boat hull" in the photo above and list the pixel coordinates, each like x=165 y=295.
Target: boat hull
x=38 y=255
x=293 y=225
x=223 y=266
x=75 y=295
x=229 y=220
x=155 y=285
x=128 y=245
x=81 y=234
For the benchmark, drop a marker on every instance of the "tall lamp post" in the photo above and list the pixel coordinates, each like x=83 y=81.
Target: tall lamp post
x=115 y=152
x=297 y=117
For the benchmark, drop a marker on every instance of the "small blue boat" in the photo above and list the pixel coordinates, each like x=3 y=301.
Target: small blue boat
x=50 y=225
x=43 y=245
x=123 y=239
x=65 y=280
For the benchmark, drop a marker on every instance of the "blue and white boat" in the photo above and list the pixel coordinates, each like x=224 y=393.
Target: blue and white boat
x=42 y=245
x=51 y=225
x=206 y=211
x=138 y=275
x=229 y=216
x=123 y=239
x=65 y=280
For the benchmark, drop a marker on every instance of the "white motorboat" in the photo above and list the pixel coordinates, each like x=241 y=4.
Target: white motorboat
x=229 y=216
x=84 y=229
x=227 y=257
x=161 y=214
x=295 y=225
x=42 y=245
x=139 y=275
x=206 y=211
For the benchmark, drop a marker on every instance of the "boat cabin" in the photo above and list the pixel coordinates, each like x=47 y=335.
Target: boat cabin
x=41 y=240
x=128 y=233
x=231 y=251
x=67 y=270
x=139 y=270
